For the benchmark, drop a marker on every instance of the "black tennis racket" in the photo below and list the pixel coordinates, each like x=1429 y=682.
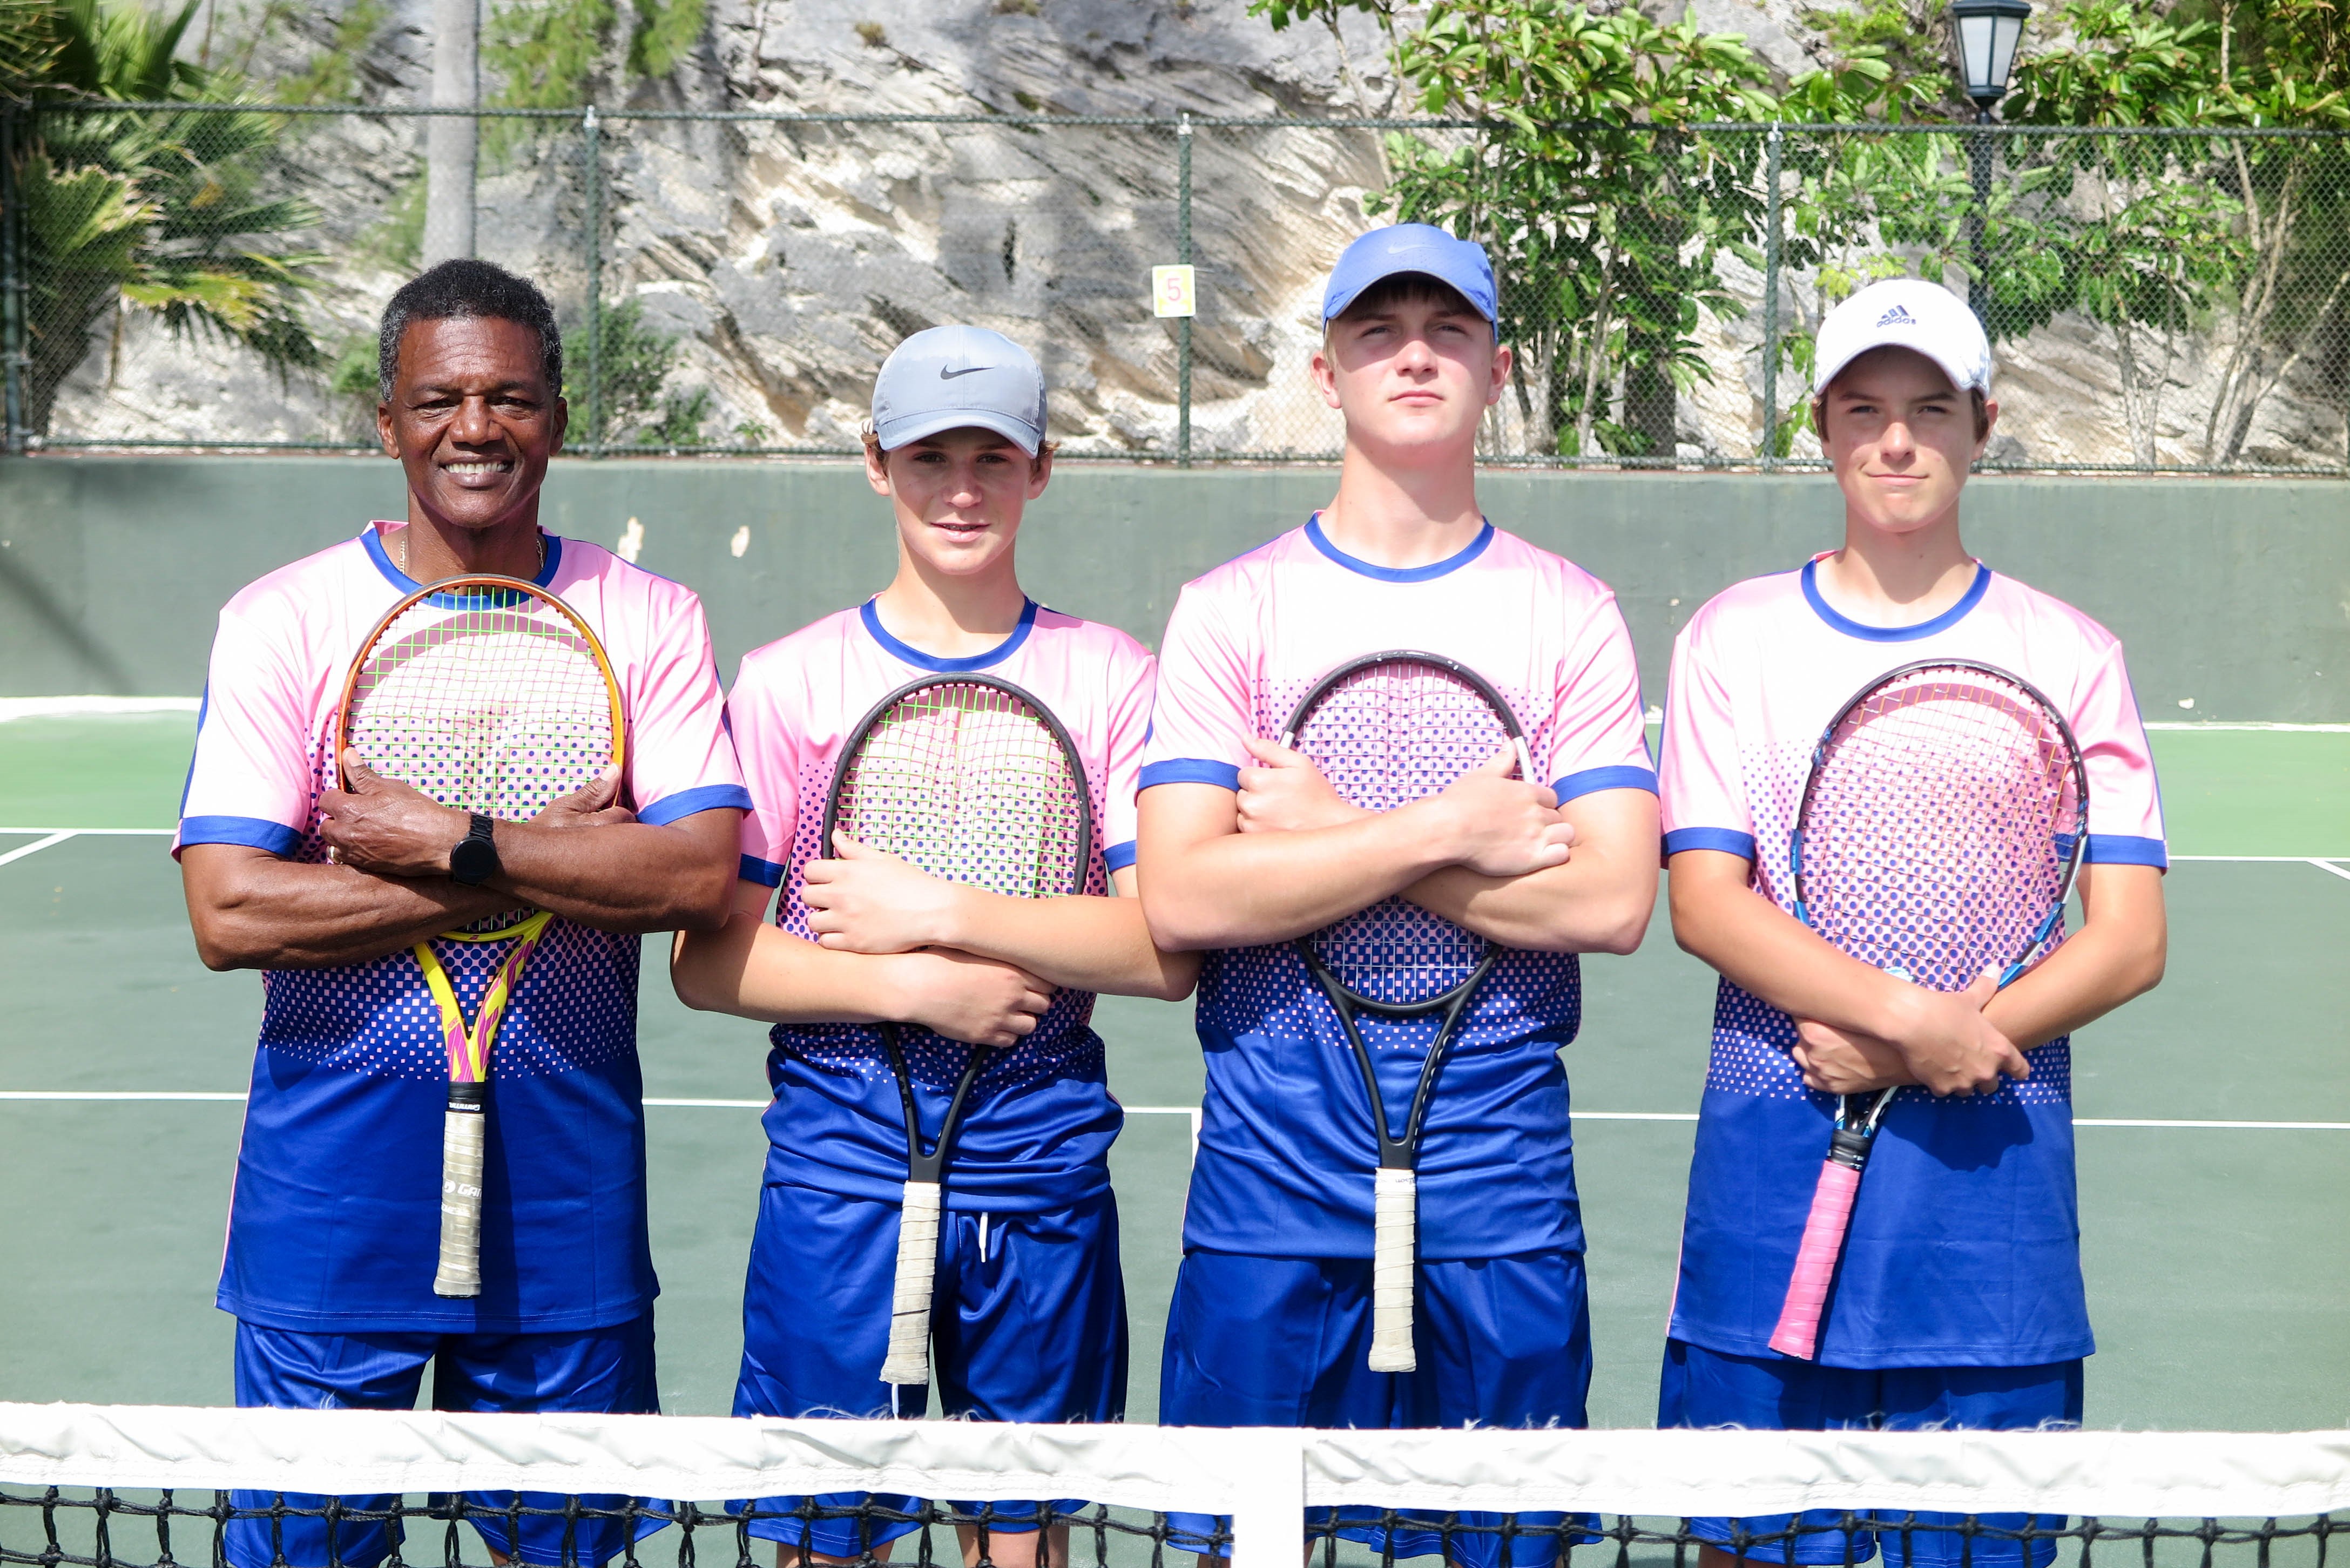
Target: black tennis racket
x=1938 y=834
x=970 y=780
x=1386 y=730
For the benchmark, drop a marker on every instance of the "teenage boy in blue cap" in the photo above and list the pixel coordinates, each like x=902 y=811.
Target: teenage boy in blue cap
x=1244 y=846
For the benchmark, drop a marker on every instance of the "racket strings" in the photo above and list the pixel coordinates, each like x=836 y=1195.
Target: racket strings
x=1938 y=828
x=970 y=785
x=494 y=706
x=1387 y=735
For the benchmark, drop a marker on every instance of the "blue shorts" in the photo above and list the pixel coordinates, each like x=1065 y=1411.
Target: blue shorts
x=1714 y=1388
x=1029 y=1325
x=601 y=1370
x=1284 y=1342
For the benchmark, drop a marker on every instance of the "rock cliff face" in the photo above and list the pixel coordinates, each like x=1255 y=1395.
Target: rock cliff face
x=784 y=260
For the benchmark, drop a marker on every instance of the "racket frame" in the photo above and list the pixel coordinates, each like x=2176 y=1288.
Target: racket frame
x=464 y=1119
x=1853 y=1136
x=1394 y=1224
x=908 y=1360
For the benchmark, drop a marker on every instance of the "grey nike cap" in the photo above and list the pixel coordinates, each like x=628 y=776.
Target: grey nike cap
x=947 y=378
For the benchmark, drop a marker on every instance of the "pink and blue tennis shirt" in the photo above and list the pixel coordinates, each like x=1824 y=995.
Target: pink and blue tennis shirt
x=335 y=1218
x=1964 y=1248
x=1286 y=1150
x=1037 y=1129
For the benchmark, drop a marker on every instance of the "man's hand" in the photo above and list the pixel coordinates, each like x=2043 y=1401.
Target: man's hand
x=1951 y=1047
x=1847 y=1061
x=1285 y=793
x=387 y=828
x=592 y=805
x=1502 y=826
x=976 y=1001
x=869 y=901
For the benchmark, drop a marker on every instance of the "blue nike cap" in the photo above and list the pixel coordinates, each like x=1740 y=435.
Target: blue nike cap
x=1412 y=247
x=948 y=377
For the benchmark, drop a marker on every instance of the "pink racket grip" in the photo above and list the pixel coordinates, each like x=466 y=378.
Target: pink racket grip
x=1798 y=1332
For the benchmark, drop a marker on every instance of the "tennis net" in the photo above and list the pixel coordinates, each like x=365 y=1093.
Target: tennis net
x=141 y=1487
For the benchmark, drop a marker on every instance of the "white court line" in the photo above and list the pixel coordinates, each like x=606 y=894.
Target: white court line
x=2329 y=865
x=35 y=847
x=98 y=832
x=1190 y=1112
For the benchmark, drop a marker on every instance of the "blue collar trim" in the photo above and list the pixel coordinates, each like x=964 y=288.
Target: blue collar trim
x=1851 y=627
x=408 y=584
x=931 y=661
x=1453 y=563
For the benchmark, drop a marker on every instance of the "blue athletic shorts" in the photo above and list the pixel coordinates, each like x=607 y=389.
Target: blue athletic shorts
x=602 y=1371
x=1713 y=1388
x=1029 y=1322
x=1284 y=1342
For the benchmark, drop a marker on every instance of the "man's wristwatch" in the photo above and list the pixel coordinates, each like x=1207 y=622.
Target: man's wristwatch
x=475 y=858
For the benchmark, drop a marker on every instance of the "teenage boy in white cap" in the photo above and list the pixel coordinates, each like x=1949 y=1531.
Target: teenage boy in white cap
x=1959 y=1301
x=1030 y=1311
x=1245 y=846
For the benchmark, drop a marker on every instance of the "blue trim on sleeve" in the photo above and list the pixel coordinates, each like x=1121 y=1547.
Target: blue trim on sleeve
x=920 y=660
x=1727 y=840
x=408 y=584
x=686 y=802
x=1851 y=627
x=2127 y=849
x=1118 y=856
x=766 y=873
x=252 y=832
x=1591 y=781
x=1190 y=770
x=204 y=708
x=1452 y=563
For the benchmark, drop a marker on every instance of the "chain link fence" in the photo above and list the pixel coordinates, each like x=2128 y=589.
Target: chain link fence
x=209 y=275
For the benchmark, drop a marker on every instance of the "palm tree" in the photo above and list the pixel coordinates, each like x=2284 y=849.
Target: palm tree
x=157 y=210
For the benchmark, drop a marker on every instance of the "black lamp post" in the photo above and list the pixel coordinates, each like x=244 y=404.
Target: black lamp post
x=1988 y=31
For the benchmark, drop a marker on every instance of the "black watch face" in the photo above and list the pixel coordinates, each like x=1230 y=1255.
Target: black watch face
x=472 y=860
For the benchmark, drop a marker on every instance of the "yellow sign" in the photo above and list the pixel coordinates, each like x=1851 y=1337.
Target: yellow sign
x=1171 y=293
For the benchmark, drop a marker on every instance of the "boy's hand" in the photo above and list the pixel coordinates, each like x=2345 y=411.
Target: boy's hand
x=869 y=901
x=974 y=999
x=1285 y=793
x=1502 y=826
x=1951 y=1047
x=1845 y=1062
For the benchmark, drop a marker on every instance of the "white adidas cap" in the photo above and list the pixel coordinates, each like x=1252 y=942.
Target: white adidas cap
x=1905 y=313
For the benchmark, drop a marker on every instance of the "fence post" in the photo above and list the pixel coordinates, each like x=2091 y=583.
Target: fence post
x=12 y=286
x=591 y=136
x=1183 y=322
x=1771 y=163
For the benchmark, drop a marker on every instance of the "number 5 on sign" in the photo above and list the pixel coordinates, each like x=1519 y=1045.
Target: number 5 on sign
x=1171 y=293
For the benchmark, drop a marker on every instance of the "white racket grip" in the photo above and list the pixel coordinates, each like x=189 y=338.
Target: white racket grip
x=461 y=1140
x=1395 y=1252
x=908 y=1361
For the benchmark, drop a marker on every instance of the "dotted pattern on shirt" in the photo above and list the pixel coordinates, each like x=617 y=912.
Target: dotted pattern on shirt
x=1061 y=1045
x=1268 y=991
x=1752 y=1039
x=575 y=1006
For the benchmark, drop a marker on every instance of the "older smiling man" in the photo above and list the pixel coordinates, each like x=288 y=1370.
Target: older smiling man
x=329 y=1265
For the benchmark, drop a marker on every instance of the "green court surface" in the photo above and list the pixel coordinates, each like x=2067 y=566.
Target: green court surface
x=2218 y=1256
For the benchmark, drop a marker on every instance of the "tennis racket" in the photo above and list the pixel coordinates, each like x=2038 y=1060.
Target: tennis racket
x=971 y=780
x=1939 y=833
x=1386 y=730
x=488 y=694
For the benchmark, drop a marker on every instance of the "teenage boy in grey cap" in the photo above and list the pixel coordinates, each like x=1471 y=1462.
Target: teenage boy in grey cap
x=1029 y=1318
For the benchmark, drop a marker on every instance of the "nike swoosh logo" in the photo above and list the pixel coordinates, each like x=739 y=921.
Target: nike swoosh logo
x=947 y=375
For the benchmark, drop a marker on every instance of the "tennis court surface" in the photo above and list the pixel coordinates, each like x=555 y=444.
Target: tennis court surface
x=2214 y=1155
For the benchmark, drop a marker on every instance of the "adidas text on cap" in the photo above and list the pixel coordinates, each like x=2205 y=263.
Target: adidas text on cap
x=1398 y=248
x=1905 y=313
x=949 y=377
